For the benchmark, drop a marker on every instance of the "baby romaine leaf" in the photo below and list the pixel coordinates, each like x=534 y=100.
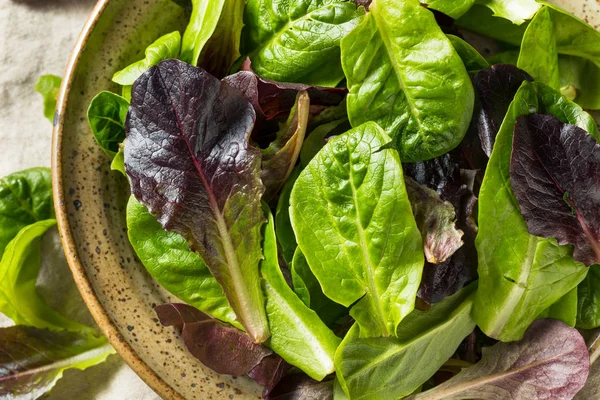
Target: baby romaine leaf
x=554 y=175
x=469 y=55
x=436 y=220
x=297 y=333
x=588 y=300
x=167 y=257
x=538 y=55
x=565 y=309
x=19 y=268
x=520 y=275
x=48 y=86
x=165 y=47
x=404 y=74
x=189 y=162
x=516 y=11
x=550 y=362
x=452 y=8
x=390 y=368
x=106 y=116
x=219 y=346
x=582 y=75
x=25 y=198
x=481 y=19
x=309 y=290
x=33 y=360
x=353 y=222
x=318 y=137
x=279 y=159
x=298 y=41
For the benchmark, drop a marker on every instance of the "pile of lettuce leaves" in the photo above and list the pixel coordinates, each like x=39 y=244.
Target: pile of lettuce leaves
x=352 y=202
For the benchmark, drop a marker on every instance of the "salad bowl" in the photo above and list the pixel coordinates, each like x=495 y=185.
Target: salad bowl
x=91 y=204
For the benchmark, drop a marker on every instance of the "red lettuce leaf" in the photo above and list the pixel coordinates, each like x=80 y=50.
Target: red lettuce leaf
x=495 y=88
x=32 y=360
x=555 y=175
x=269 y=372
x=219 y=346
x=550 y=362
x=189 y=162
x=273 y=100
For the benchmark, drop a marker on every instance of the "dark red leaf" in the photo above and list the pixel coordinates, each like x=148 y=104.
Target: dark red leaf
x=555 y=175
x=219 y=346
x=301 y=387
x=495 y=88
x=269 y=372
x=189 y=162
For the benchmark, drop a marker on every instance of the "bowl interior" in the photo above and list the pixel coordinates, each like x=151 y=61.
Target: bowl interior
x=91 y=201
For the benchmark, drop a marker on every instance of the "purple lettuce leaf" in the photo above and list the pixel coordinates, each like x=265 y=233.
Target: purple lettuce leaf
x=301 y=387
x=189 y=162
x=272 y=100
x=279 y=159
x=219 y=346
x=555 y=176
x=550 y=362
x=436 y=220
x=269 y=372
x=495 y=89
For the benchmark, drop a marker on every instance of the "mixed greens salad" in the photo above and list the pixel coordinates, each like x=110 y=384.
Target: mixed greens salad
x=354 y=202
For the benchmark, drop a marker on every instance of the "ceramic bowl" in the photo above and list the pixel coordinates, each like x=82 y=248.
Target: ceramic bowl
x=90 y=205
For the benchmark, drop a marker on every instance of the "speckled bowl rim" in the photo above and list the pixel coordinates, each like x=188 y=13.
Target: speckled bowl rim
x=79 y=274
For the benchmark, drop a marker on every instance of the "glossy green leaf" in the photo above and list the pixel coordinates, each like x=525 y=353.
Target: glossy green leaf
x=481 y=20
x=452 y=8
x=25 y=198
x=166 y=46
x=309 y=290
x=583 y=76
x=106 y=116
x=471 y=58
x=564 y=310
x=520 y=275
x=203 y=22
x=538 y=55
x=48 y=86
x=505 y=57
x=404 y=74
x=353 y=222
x=317 y=139
x=298 y=41
x=33 y=360
x=167 y=257
x=390 y=368
x=516 y=11
x=118 y=163
x=19 y=268
x=588 y=296
x=283 y=225
x=297 y=333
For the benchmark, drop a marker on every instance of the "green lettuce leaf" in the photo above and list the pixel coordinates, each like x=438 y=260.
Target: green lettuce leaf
x=167 y=257
x=283 y=225
x=166 y=46
x=48 y=86
x=353 y=222
x=588 y=297
x=520 y=275
x=390 y=368
x=298 y=41
x=297 y=333
x=32 y=360
x=470 y=56
x=106 y=115
x=19 y=268
x=25 y=198
x=516 y=11
x=404 y=74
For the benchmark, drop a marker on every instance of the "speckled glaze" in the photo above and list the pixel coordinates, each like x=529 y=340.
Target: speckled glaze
x=90 y=205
